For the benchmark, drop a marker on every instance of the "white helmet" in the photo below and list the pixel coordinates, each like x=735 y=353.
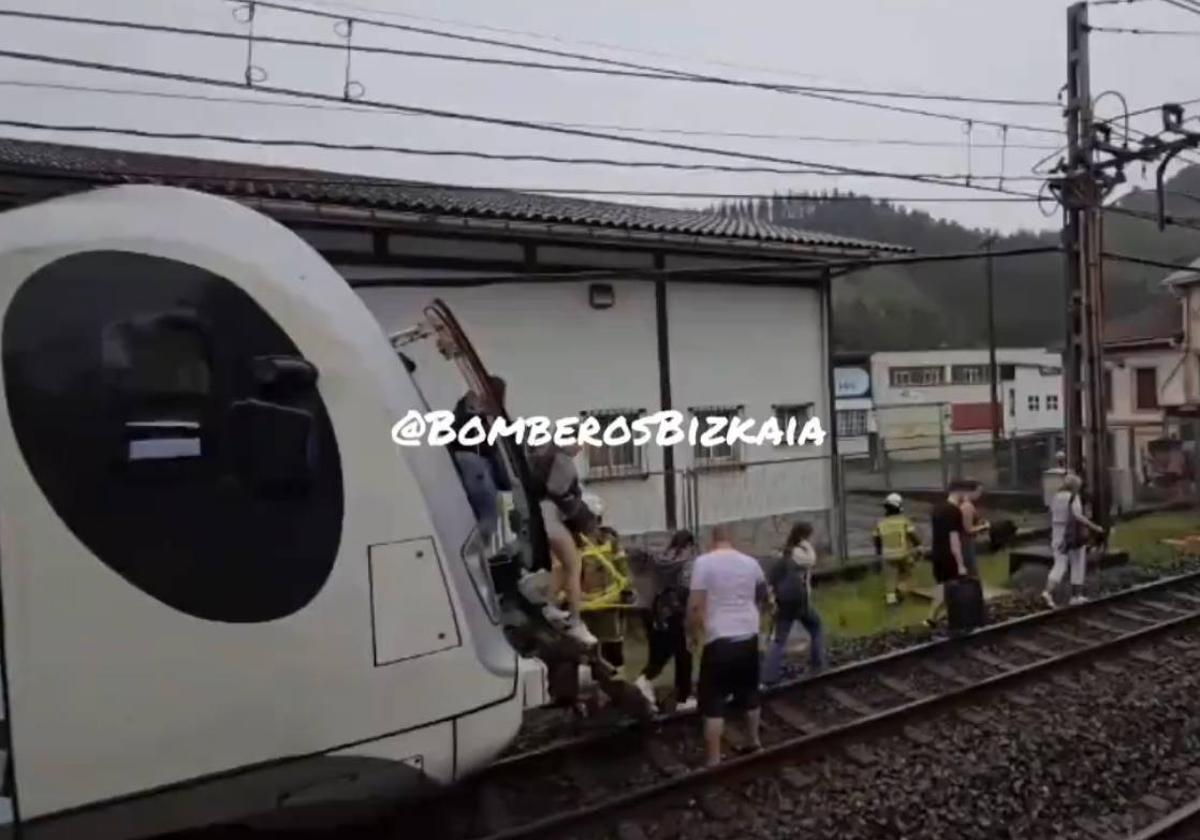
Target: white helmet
x=894 y=500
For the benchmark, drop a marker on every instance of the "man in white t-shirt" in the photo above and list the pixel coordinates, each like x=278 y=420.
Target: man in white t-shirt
x=726 y=590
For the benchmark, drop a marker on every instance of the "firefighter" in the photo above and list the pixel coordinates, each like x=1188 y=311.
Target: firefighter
x=896 y=544
x=607 y=585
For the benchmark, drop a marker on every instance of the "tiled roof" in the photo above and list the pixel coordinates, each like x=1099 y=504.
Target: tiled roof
x=95 y=165
x=1160 y=321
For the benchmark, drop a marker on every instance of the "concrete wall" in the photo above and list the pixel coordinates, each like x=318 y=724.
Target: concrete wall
x=729 y=345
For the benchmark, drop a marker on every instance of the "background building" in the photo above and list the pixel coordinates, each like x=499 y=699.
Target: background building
x=855 y=408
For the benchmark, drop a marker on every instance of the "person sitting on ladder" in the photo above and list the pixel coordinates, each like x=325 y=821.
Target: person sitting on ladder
x=896 y=544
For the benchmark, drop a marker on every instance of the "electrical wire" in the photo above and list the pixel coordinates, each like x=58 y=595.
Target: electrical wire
x=488 y=120
x=268 y=142
x=1170 y=221
x=1130 y=258
x=319 y=178
x=316 y=106
x=1180 y=4
x=1118 y=30
x=637 y=66
x=656 y=74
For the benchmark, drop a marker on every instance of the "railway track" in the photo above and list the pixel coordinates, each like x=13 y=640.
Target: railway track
x=592 y=784
x=1181 y=824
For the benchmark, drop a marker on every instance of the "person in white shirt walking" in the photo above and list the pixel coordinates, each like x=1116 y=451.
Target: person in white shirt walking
x=1068 y=540
x=723 y=609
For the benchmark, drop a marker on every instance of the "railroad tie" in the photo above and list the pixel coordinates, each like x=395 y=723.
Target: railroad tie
x=1182 y=644
x=716 y=805
x=945 y=672
x=918 y=735
x=1110 y=668
x=1094 y=830
x=582 y=776
x=1131 y=615
x=1063 y=635
x=1020 y=699
x=1163 y=606
x=860 y=754
x=849 y=702
x=1031 y=648
x=900 y=688
x=791 y=714
x=975 y=717
x=630 y=831
x=1144 y=655
x=1155 y=803
x=492 y=810
x=797 y=779
x=1067 y=681
x=1185 y=596
x=991 y=660
x=1102 y=627
x=664 y=759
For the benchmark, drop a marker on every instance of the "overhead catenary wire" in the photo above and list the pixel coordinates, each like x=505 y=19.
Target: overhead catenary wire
x=269 y=142
x=638 y=66
x=660 y=75
x=1121 y=30
x=320 y=179
x=1148 y=261
x=350 y=108
x=485 y=119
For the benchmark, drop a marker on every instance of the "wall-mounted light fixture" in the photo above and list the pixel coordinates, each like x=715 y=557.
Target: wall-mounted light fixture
x=601 y=296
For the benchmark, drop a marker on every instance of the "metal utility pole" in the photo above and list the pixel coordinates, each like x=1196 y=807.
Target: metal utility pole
x=1086 y=427
x=993 y=373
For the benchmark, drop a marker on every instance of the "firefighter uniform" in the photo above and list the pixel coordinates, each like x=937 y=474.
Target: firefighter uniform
x=606 y=583
x=896 y=541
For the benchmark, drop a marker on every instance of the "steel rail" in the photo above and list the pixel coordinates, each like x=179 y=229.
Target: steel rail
x=860 y=666
x=808 y=747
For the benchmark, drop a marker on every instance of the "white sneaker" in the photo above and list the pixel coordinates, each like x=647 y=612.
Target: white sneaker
x=643 y=685
x=578 y=631
x=557 y=617
x=688 y=705
x=535 y=586
x=1049 y=599
x=1077 y=600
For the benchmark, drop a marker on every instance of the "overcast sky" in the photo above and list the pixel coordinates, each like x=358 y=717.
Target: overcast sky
x=1014 y=48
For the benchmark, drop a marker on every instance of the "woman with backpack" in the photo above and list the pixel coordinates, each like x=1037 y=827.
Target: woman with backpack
x=666 y=625
x=1068 y=540
x=791 y=581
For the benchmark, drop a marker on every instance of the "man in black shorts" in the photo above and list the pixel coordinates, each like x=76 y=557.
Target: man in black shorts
x=726 y=590
x=946 y=546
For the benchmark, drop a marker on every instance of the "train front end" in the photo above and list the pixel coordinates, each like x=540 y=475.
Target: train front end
x=226 y=592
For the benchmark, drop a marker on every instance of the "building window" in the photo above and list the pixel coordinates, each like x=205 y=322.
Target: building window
x=1107 y=385
x=1012 y=402
x=1052 y=402
x=852 y=422
x=615 y=461
x=723 y=453
x=906 y=377
x=1034 y=402
x=969 y=375
x=800 y=412
x=1146 y=389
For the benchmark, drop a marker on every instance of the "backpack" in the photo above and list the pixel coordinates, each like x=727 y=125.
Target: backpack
x=1074 y=534
x=577 y=516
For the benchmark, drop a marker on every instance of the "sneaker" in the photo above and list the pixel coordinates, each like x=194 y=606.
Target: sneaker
x=557 y=617
x=578 y=631
x=535 y=586
x=1049 y=600
x=643 y=685
x=688 y=705
x=1077 y=600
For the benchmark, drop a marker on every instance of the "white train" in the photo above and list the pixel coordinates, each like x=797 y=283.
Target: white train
x=226 y=592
